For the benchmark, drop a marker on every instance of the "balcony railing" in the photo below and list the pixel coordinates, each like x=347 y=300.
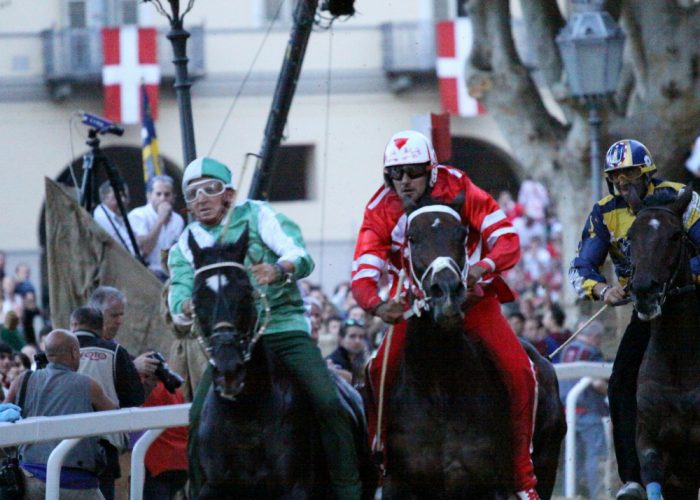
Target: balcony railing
x=75 y=54
x=408 y=47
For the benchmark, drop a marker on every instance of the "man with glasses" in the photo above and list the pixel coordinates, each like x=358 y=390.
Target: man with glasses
x=411 y=171
x=276 y=258
x=628 y=167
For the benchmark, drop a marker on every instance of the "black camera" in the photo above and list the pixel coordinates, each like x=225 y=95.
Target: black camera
x=170 y=379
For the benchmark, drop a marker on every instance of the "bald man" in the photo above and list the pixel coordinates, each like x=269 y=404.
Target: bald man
x=59 y=390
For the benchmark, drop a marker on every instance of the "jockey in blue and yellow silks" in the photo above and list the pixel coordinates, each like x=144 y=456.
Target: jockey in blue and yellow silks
x=629 y=166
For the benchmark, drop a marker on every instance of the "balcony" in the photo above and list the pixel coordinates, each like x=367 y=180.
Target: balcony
x=74 y=55
x=408 y=47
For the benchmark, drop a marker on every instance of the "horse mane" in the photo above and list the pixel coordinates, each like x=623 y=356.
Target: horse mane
x=660 y=199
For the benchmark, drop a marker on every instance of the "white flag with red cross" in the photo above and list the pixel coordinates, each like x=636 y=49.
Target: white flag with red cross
x=129 y=61
x=454 y=44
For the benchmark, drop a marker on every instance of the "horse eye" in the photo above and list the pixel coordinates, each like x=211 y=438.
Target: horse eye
x=677 y=236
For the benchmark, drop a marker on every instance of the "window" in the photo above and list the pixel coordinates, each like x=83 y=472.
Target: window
x=291 y=173
x=76 y=14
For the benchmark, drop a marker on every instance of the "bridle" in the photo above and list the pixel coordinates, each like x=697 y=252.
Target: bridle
x=439 y=263
x=686 y=242
x=225 y=331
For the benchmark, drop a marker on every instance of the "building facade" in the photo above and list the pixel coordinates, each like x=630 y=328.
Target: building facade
x=362 y=80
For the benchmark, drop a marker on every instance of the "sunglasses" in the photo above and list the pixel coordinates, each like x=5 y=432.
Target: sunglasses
x=627 y=175
x=208 y=187
x=396 y=172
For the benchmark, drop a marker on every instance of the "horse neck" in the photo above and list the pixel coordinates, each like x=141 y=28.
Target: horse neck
x=435 y=355
x=677 y=331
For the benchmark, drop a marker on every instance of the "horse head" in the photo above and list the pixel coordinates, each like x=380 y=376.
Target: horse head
x=224 y=305
x=659 y=250
x=437 y=256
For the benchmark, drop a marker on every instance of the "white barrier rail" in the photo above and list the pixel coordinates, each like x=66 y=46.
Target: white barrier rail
x=586 y=371
x=71 y=428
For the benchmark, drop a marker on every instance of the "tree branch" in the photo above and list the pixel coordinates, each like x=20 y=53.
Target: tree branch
x=497 y=77
x=544 y=20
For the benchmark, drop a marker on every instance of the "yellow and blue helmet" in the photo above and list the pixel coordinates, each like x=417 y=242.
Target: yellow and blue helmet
x=629 y=153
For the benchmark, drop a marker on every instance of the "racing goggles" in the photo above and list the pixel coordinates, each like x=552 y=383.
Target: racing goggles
x=207 y=187
x=396 y=172
x=626 y=175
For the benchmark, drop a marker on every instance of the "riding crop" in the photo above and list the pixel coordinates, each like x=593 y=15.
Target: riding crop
x=573 y=335
x=377 y=444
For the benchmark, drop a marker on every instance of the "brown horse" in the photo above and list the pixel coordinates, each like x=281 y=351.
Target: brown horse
x=448 y=429
x=668 y=386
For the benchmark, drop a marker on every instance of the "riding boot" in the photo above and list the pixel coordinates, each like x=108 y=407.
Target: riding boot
x=622 y=393
x=397 y=338
x=485 y=321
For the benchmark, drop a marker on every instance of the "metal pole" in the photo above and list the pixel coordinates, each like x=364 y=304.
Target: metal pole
x=178 y=38
x=284 y=93
x=594 y=122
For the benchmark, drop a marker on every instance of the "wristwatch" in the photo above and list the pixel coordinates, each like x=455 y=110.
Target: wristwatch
x=283 y=274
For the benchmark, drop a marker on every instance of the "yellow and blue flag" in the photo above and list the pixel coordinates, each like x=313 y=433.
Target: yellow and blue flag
x=150 y=150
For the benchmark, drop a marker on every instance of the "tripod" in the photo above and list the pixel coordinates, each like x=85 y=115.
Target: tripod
x=92 y=161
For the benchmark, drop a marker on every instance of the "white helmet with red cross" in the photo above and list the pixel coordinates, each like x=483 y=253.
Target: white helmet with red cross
x=409 y=147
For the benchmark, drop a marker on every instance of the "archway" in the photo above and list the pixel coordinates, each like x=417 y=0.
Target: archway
x=491 y=168
x=129 y=162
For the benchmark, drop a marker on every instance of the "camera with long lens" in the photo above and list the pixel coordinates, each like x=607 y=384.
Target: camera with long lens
x=170 y=379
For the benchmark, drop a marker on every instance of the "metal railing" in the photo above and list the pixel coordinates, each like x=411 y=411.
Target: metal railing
x=408 y=47
x=72 y=428
x=75 y=54
x=586 y=371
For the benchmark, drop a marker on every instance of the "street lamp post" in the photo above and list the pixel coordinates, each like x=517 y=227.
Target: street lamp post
x=178 y=38
x=591 y=46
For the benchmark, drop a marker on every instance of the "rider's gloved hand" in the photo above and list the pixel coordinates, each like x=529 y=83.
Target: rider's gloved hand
x=610 y=294
x=390 y=311
x=474 y=275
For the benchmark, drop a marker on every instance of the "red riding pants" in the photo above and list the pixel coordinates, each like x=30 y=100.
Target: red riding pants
x=485 y=322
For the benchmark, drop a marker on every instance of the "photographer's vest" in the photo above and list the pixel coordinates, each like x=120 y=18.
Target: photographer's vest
x=53 y=391
x=99 y=364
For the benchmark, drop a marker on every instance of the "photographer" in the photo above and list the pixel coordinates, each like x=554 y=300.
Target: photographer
x=166 y=459
x=111 y=366
x=53 y=391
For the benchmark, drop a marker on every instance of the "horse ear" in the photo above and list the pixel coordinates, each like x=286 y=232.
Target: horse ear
x=240 y=247
x=634 y=200
x=681 y=203
x=194 y=248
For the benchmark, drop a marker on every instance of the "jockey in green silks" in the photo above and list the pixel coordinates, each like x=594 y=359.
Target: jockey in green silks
x=276 y=258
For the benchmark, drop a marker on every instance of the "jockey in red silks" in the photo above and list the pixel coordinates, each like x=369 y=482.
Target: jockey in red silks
x=411 y=170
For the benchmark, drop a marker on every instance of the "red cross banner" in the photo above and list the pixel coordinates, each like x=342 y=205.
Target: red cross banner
x=454 y=44
x=129 y=61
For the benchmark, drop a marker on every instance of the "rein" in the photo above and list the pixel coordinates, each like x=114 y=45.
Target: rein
x=438 y=264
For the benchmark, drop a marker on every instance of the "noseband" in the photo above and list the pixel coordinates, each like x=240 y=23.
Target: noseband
x=439 y=263
x=666 y=289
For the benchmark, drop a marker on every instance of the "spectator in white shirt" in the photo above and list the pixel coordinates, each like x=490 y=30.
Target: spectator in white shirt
x=107 y=215
x=156 y=226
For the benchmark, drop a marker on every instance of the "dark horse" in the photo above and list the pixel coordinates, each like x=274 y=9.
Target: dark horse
x=448 y=428
x=668 y=385
x=257 y=438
